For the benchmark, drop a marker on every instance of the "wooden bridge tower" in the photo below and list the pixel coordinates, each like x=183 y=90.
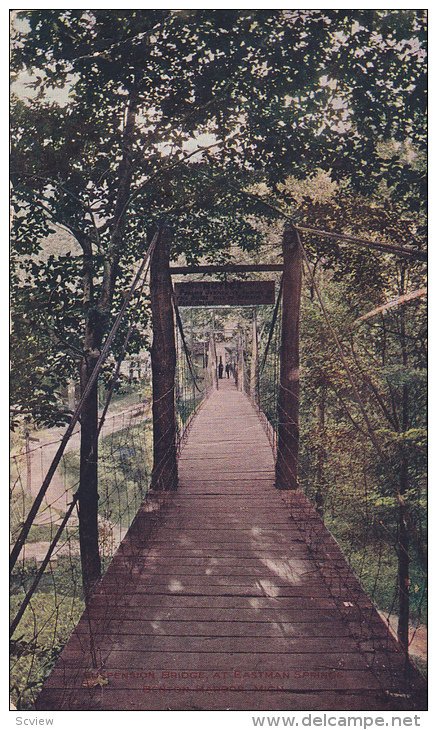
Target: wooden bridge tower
x=163 y=359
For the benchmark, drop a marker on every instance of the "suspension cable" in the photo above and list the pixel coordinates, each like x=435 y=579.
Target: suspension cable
x=272 y=327
x=76 y=415
x=370 y=428
x=184 y=343
x=380 y=245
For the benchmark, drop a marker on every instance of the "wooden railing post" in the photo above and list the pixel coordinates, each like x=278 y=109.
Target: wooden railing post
x=240 y=366
x=163 y=361
x=212 y=361
x=288 y=397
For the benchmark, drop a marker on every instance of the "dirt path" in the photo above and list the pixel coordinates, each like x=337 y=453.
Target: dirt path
x=33 y=465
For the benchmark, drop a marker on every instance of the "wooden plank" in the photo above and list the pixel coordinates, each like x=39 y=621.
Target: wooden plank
x=184 y=571
x=113 y=601
x=249 y=645
x=249 y=591
x=120 y=660
x=258 y=701
x=213 y=613
x=212 y=628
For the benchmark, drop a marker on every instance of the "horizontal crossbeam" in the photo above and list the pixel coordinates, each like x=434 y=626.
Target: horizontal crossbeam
x=224 y=268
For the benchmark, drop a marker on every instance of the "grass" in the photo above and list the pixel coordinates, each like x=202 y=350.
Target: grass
x=47 y=623
x=374 y=561
x=128 y=396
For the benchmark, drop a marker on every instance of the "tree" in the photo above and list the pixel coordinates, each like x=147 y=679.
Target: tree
x=276 y=92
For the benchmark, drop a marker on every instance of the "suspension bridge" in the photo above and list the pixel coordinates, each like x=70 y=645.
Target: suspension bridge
x=226 y=590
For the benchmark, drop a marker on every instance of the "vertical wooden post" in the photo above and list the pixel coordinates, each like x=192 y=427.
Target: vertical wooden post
x=214 y=361
x=288 y=397
x=193 y=385
x=163 y=360
x=240 y=366
x=212 y=368
x=254 y=356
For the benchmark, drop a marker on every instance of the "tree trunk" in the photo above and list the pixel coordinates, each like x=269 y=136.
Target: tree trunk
x=124 y=173
x=88 y=489
x=88 y=472
x=97 y=318
x=288 y=398
x=403 y=536
x=163 y=359
x=403 y=564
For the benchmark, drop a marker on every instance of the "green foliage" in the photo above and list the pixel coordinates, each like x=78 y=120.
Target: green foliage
x=124 y=473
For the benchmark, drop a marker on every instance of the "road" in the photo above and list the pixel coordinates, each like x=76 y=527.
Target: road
x=32 y=465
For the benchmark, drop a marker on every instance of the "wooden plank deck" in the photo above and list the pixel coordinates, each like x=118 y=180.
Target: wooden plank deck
x=217 y=600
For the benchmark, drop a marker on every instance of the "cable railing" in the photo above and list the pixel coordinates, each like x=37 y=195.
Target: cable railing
x=47 y=594
x=47 y=575
x=264 y=393
x=350 y=502
x=191 y=387
x=47 y=597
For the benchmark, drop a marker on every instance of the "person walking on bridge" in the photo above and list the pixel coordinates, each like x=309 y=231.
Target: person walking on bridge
x=220 y=369
x=228 y=370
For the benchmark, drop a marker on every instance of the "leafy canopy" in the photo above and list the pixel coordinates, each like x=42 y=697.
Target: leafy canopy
x=119 y=101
